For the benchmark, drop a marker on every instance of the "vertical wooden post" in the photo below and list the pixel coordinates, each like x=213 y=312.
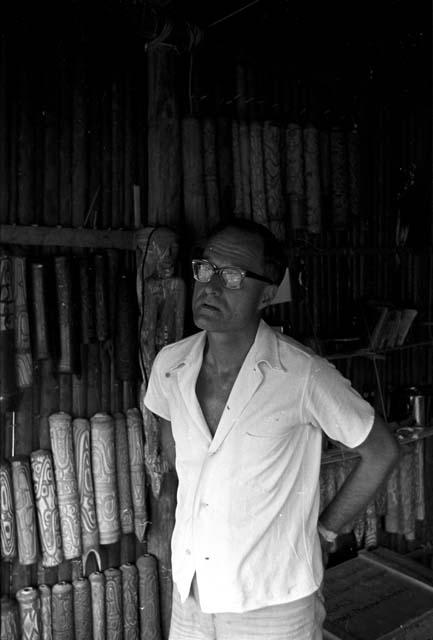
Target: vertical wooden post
x=164 y=164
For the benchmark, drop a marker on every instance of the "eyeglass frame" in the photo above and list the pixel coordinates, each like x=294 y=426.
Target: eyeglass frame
x=217 y=270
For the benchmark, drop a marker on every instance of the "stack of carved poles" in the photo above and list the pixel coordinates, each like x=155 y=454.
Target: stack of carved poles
x=289 y=177
x=84 y=492
x=76 y=483
x=111 y=604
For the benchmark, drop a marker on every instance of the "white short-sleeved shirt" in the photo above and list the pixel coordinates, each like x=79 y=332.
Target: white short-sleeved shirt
x=248 y=498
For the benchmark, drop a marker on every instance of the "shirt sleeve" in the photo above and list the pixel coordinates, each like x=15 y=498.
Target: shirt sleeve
x=332 y=404
x=156 y=399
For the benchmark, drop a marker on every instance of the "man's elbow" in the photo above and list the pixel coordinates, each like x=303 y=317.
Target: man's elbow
x=381 y=449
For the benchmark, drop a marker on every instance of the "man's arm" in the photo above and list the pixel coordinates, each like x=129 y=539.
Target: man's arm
x=166 y=443
x=379 y=453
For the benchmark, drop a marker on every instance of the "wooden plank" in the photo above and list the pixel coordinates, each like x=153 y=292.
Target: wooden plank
x=372 y=598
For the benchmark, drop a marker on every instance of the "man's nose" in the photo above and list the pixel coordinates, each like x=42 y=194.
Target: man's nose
x=214 y=285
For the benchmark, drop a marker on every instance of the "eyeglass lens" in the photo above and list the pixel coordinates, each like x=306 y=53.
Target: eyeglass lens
x=230 y=276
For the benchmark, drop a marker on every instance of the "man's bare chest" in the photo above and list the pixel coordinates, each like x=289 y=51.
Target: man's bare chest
x=212 y=392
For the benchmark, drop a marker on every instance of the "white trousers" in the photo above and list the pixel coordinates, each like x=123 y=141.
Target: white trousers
x=299 y=620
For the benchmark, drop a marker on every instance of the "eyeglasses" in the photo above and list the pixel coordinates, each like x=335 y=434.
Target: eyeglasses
x=231 y=277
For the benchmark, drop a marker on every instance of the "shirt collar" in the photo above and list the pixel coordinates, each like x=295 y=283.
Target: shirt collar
x=265 y=349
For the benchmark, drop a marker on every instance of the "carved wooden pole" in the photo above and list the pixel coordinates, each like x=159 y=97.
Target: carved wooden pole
x=8 y=527
x=82 y=608
x=294 y=184
x=62 y=611
x=24 y=510
x=123 y=476
x=104 y=477
x=46 y=617
x=97 y=588
x=23 y=354
x=47 y=508
x=89 y=526
x=148 y=589
x=137 y=471
x=8 y=387
x=30 y=613
x=312 y=179
x=130 y=601
x=66 y=481
x=113 y=604
x=10 y=621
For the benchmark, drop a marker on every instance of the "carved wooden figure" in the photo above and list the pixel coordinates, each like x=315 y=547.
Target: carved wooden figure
x=89 y=525
x=24 y=510
x=130 y=601
x=66 y=481
x=161 y=300
x=8 y=527
x=104 y=477
x=161 y=294
x=46 y=507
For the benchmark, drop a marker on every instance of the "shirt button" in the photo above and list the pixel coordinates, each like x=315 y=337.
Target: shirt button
x=167 y=375
x=188 y=552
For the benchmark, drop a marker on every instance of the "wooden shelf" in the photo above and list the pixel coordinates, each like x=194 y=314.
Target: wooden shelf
x=36 y=235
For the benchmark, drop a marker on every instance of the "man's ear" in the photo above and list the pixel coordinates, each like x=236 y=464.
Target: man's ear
x=269 y=293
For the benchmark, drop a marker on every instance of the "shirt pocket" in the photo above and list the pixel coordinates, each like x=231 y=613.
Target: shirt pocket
x=277 y=425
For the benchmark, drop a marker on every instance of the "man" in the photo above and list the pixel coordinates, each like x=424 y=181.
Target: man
x=246 y=407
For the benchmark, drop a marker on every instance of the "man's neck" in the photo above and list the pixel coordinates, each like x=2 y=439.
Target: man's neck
x=226 y=351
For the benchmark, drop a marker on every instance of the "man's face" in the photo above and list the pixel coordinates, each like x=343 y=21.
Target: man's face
x=218 y=309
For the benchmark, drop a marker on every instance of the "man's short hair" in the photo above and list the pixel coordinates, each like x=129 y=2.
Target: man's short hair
x=273 y=251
